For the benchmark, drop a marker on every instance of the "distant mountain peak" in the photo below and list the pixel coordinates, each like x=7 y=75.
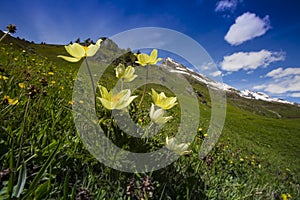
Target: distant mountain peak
x=176 y=67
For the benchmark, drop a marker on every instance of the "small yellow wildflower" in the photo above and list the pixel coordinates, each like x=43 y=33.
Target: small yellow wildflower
x=10 y=101
x=52 y=82
x=21 y=85
x=3 y=77
x=284 y=197
x=77 y=51
x=162 y=101
x=51 y=73
x=231 y=162
x=80 y=101
x=242 y=159
x=205 y=134
x=200 y=129
x=144 y=59
x=71 y=102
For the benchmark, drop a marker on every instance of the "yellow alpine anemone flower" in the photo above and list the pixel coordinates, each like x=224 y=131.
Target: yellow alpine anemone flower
x=116 y=101
x=157 y=116
x=126 y=74
x=180 y=149
x=144 y=59
x=162 y=101
x=77 y=51
x=10 y=100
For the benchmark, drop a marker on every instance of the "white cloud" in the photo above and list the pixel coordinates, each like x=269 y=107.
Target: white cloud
x=284 y=82
x=297 y=94
x=280 y=72
x=246 y=27
x=281 y=86
x=224 y=5
x=216 y=73
x=250 y=60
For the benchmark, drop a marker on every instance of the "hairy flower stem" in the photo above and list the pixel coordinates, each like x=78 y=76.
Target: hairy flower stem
x=145 y=87
x=122 y=84
x=22 y=132
x=91 y=77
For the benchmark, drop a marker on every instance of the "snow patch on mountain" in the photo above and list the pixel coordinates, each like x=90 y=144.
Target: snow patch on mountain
x=175 y=67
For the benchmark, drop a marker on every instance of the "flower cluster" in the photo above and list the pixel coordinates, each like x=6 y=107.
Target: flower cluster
x=120 y=100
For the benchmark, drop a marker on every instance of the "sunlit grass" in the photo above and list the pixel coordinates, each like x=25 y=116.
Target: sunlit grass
x=257 y=156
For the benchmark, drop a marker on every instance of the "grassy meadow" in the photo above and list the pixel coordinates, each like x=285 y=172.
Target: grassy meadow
x=43 y=157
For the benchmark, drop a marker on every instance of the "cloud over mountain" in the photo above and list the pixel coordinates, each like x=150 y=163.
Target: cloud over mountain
x=246 y=27
x=250 y=60
x=283 y=81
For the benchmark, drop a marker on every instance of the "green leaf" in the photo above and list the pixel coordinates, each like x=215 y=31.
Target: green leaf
x=34 y=183
x=66 y=184
x=42 y=191
x=11 y=166
x=18 y=189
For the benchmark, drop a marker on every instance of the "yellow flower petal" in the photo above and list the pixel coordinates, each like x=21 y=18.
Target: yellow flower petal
x=92 y=49
x=143 y=59
x=70 y=59
x=157 y=116
x=76 y=50
x=12 y=102
x=3 y=77
x=162 y=101
x=180 y=149
x=99 y=42
x=21 y=85
x=115 y=101
x=126 y=74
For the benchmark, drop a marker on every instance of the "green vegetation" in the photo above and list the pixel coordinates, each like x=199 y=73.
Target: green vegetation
x=42 y=156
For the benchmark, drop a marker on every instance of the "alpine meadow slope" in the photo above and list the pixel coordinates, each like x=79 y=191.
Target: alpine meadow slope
x=42 y=156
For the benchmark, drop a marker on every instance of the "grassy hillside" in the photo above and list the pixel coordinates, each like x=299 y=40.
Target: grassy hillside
x=42 y=156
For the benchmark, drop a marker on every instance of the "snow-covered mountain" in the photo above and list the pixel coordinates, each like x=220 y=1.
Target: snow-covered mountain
x=175 y=67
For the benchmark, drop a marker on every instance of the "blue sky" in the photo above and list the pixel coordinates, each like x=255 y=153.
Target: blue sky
x=255 y=43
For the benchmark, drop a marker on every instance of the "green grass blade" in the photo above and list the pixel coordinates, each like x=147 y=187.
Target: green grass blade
x=37 y=178
x=66 y=184
x=21 y=182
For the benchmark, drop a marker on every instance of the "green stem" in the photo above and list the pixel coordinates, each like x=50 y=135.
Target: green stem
x=145 y=87
x=122 y=84
x=22 y=132
x=91 y=77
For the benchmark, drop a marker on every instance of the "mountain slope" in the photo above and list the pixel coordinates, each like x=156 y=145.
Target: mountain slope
x=255 y=102
x=256 y=157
